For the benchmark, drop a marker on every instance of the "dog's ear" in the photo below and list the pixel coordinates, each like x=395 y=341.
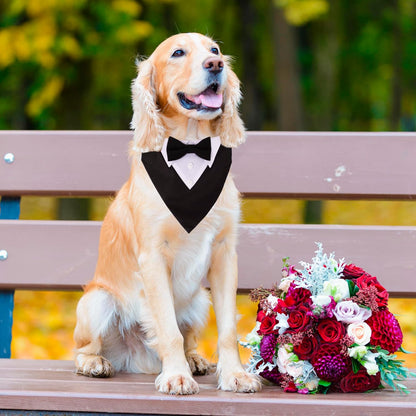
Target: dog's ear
x=146 y=122
x=230 y=127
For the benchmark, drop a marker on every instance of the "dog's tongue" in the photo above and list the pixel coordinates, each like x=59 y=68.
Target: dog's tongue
x=208 y=99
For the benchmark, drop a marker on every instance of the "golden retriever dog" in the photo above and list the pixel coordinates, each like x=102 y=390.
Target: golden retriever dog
x=145 y=307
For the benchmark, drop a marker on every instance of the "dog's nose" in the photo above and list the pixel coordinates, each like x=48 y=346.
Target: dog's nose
x=214 y=65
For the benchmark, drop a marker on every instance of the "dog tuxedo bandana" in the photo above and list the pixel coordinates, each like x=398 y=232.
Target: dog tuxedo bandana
x=189 y=177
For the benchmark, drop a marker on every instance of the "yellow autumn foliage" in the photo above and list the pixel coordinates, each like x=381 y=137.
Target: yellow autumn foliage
x=53 y=32
x=44 y=97
x=299 y=12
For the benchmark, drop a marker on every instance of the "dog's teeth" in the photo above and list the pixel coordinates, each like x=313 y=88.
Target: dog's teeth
x=194 y=98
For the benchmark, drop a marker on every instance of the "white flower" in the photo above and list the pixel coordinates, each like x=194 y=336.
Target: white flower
x=312 y=384
x=357 y=352
x=372 y=368
x=284 y=358
x=321 y=300
x=360 y=332
x=272 y=301
x=348 y=311
x=337 y=288
x=285 y=283
x=253 y=338
x=294 y=369
x=369 y=362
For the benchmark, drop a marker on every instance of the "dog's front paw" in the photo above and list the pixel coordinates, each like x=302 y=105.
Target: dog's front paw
x=176 y=384
x=199 y=366
x=94 y=366
x=241 y=382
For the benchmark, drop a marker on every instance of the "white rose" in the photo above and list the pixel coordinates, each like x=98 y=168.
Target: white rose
x=285 y=283
x=321 y=300
x=337 y=288
x=360 y=332
x=283 y=359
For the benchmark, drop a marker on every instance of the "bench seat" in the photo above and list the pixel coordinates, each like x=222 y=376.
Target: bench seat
x=44 y=385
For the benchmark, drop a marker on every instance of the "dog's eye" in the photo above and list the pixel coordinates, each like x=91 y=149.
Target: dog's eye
x=178 y=53
x=215 y=51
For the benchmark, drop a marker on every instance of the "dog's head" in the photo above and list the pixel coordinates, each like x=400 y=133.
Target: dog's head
x=186 y=77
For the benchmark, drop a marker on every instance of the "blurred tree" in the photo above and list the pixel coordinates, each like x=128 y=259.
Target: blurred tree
x=290 y=101
x=55 y=46
x=51 y=43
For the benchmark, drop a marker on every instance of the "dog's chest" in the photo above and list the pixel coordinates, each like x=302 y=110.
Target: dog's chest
x=190 y=264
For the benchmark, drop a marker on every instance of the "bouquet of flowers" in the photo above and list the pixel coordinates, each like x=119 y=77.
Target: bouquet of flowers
x=326 y=328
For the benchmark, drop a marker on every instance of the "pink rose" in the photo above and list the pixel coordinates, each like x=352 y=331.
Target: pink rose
x=360 y=332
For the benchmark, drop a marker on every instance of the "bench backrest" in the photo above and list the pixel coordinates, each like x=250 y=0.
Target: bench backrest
x=298 y=165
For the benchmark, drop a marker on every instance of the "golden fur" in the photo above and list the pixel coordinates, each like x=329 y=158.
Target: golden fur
x=145 y=306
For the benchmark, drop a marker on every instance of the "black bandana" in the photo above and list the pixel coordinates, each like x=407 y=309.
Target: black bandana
x=189 y=206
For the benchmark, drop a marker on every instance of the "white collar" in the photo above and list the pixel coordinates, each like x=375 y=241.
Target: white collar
x=190 y=167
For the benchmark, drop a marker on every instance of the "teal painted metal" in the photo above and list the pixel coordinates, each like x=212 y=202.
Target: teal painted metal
x=9 y=210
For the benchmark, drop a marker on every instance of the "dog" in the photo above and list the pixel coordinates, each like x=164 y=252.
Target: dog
x=145 y=307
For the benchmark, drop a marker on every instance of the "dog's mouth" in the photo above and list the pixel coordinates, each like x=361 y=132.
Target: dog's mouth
x=208 y=100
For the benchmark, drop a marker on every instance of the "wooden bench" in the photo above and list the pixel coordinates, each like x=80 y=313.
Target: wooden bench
x=61 y=255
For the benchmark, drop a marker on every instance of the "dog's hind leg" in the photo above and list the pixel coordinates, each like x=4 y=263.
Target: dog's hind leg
x=198 y=365
x=94 y=317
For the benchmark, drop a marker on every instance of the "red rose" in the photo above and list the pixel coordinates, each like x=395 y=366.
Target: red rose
x=260 y=315
x=359 y=382
x=366 y=281
x=351 y=271
x=330 y=330
x=299 y=319
x=267 y=325
x=306 y=348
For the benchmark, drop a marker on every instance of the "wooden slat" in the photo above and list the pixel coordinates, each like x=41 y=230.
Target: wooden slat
x=270 y=164
x=52 y=385
x=62 y=255
x=64 y=162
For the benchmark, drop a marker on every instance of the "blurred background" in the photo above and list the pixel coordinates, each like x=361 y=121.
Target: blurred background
x=334 y=65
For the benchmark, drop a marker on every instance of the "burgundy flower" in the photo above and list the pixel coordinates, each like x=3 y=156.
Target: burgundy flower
x=267 y=325
x=268 y=347
x=366 y=281
x=272 y=375
x=359 y=382
x=330 y=330
x=330 y=364
x=351 y=271
x=386 y=330
x=298 y=296
x=306 y=348
x=299 y=319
